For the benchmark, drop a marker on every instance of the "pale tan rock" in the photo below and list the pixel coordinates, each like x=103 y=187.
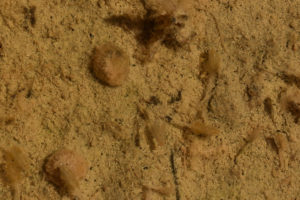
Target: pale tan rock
x=65 y=168
x=110 y=64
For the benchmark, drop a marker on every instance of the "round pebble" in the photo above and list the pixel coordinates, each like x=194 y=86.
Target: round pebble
x=66 y=168
x=110 y=64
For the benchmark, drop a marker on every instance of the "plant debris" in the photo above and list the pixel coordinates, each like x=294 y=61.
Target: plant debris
x=200 y=129
x=210 y=63
x=268 y=107
x=282 y=145
x=158 y=24
x=156 y=134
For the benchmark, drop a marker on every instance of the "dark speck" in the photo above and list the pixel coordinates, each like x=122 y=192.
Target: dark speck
x=168 y=118
x=268 y=106
x=176 y=98
x=29 y=93
x=154 y=100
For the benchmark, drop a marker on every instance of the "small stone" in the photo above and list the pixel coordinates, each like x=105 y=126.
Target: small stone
x=110 y=64
x=65 y=168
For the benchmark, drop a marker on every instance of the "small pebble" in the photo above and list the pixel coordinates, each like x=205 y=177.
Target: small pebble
x=110 y=64
x=65 y=168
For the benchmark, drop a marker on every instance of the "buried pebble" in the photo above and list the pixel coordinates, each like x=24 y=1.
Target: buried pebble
x=199 y=128
x=65 y=168
x=15 y=167
x=110 y=64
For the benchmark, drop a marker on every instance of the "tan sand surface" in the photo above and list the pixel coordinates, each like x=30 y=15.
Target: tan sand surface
x=236 y=73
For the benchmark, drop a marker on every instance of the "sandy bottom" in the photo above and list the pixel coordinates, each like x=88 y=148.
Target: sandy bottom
x=136 y=137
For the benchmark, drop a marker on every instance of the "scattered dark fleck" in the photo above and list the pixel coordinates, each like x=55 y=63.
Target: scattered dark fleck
x=137 y=140
x=1 y=50
x=142 y=113
x=9 y=121
x=145 y=168
x=30 y=14
x=176 y=98
x=294 y=109
x=174 y=172
x=153 y=28
x=154 y=100
x=168 y=118
x=150 y=28
x=290 y=79
x=268 y=106
x=184 y=17
x=171 y=42
x=29 y=93
x=119 y=121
